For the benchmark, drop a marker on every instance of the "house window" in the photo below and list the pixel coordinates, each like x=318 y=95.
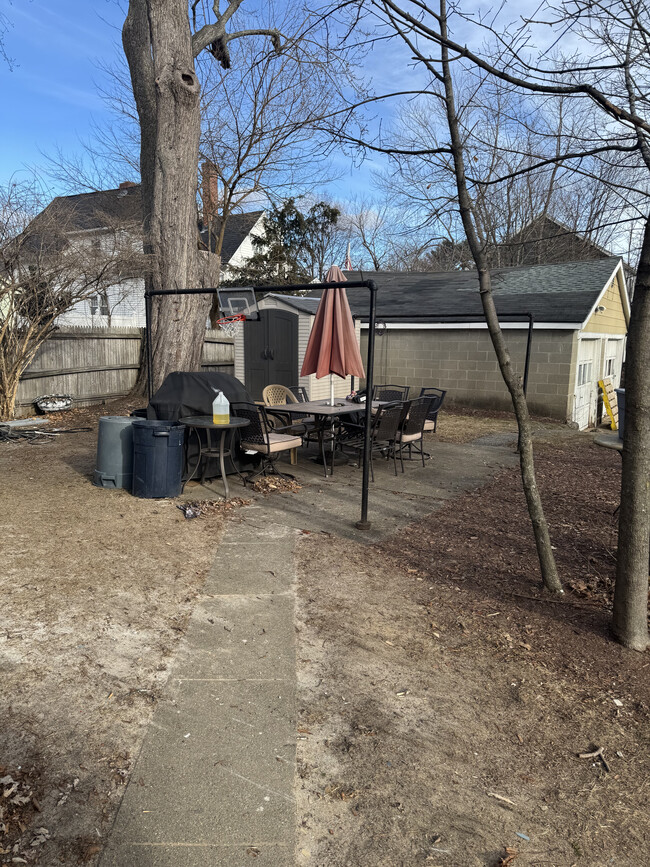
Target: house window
x=99 y=305
x=610 y=367
x=584 y=372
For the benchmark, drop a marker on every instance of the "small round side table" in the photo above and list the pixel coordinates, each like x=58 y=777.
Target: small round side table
x=209 y=450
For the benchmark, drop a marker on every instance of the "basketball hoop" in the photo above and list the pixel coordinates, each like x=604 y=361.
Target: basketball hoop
x=231 y=324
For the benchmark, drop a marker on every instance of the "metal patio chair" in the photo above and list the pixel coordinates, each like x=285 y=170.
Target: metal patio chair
x=390 y=392
x=438 y=395
x=412 y=428
x=260 y=437
x=385 y=428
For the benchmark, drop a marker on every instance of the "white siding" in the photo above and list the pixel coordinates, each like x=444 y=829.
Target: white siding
x=125 y=302
x=245 y=250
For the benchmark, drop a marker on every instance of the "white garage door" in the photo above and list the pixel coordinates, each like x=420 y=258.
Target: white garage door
x=586 y=387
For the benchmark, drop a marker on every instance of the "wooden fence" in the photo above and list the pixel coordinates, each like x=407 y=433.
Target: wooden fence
x=93 y=365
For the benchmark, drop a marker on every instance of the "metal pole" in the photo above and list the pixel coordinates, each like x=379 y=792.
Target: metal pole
x=528 y=346
x=148 y=348
x=364 y=523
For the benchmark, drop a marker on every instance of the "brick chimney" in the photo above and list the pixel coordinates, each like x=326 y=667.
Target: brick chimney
x=125 y=185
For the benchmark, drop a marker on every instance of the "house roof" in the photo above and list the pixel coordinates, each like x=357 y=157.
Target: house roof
x=561 y=293
x=238 y=227
x=545 y=240
x=305 y=304
x=87 y=212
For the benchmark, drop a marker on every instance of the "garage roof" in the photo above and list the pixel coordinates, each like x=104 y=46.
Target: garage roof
x=564 y=293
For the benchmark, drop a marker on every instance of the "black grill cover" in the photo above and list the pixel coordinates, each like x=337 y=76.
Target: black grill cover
x=185 y=394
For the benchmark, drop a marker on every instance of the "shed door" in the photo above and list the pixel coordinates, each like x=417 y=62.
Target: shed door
x=613 y=361
x=586 y=387
x=270 y=351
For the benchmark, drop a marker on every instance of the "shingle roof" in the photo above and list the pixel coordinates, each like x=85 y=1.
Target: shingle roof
x=238 y=227
x=298 y=302
x=560 y=293
x=87 y=211
x=123 y=207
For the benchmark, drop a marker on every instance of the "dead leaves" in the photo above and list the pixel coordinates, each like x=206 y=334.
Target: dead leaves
x=198 y=508
x=17 y=806
x=273 y=484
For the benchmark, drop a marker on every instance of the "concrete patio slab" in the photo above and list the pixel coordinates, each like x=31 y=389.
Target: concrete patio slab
x=213 y=784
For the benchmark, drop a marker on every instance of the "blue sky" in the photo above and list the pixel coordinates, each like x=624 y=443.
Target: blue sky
x=49 y=97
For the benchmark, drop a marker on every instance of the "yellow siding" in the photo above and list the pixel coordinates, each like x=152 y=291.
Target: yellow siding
x=611 y=320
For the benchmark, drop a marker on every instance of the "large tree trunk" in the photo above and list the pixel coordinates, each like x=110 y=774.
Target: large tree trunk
x=630 y=621
x=158 y=47
x=513 y=382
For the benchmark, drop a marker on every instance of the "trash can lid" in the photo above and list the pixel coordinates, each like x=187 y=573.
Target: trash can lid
x=161 y=424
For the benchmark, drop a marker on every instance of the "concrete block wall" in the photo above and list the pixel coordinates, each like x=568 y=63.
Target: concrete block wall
x=463 y=362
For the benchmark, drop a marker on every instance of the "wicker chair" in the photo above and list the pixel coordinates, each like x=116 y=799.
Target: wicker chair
x=260 y=437
x=438 y=395
x=412 y=427
x=275 y=395
x=390 y=392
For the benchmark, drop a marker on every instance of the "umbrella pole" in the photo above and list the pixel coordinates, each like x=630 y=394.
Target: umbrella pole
x=332 y=422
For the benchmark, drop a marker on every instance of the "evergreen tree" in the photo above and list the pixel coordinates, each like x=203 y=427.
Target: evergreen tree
x=294 y=246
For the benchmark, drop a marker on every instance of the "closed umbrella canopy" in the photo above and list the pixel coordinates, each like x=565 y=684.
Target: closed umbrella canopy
x=332 y=346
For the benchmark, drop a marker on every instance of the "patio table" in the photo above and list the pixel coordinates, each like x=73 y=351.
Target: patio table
x=204 y=422
x=324 y=409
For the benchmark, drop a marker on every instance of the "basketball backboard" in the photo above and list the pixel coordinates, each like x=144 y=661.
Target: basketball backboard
x=238 y=300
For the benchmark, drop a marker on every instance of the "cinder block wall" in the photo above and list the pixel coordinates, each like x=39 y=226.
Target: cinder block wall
x=463 y=362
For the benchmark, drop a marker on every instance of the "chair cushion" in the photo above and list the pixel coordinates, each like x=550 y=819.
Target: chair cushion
x=429 y=424
x=409 y=438
x=277 y=443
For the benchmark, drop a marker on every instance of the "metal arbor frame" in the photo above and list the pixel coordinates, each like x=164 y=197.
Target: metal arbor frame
x=363 y=523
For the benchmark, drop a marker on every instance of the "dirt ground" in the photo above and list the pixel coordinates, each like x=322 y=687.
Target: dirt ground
x=444 y=700
x=96 y=588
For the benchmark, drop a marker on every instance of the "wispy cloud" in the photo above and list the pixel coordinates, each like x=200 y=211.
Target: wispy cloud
x=58 y=90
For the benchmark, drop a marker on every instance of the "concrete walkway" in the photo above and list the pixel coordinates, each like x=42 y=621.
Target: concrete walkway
x=213 y=784
x=214 y=781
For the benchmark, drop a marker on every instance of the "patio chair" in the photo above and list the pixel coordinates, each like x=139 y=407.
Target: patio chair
x=297 y=425
x=412 y=427
x=260 y=437
x=390 y=392
x=385 y=428
x=438 y=395
x=300 y=393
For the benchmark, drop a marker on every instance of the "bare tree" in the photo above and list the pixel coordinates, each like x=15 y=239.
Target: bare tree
x=162 y=41
x=43 y=274
x=372 y=225
x=550 y=214
x=611 y=74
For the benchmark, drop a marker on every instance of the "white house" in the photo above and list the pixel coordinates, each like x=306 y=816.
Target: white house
x=105 y=218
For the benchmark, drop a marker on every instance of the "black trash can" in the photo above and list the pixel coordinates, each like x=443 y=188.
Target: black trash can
x=157 y=458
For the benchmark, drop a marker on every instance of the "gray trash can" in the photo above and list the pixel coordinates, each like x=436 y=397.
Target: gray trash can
x=114 y=464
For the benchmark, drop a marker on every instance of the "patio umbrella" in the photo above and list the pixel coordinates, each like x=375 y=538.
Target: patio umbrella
x=332 y=347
